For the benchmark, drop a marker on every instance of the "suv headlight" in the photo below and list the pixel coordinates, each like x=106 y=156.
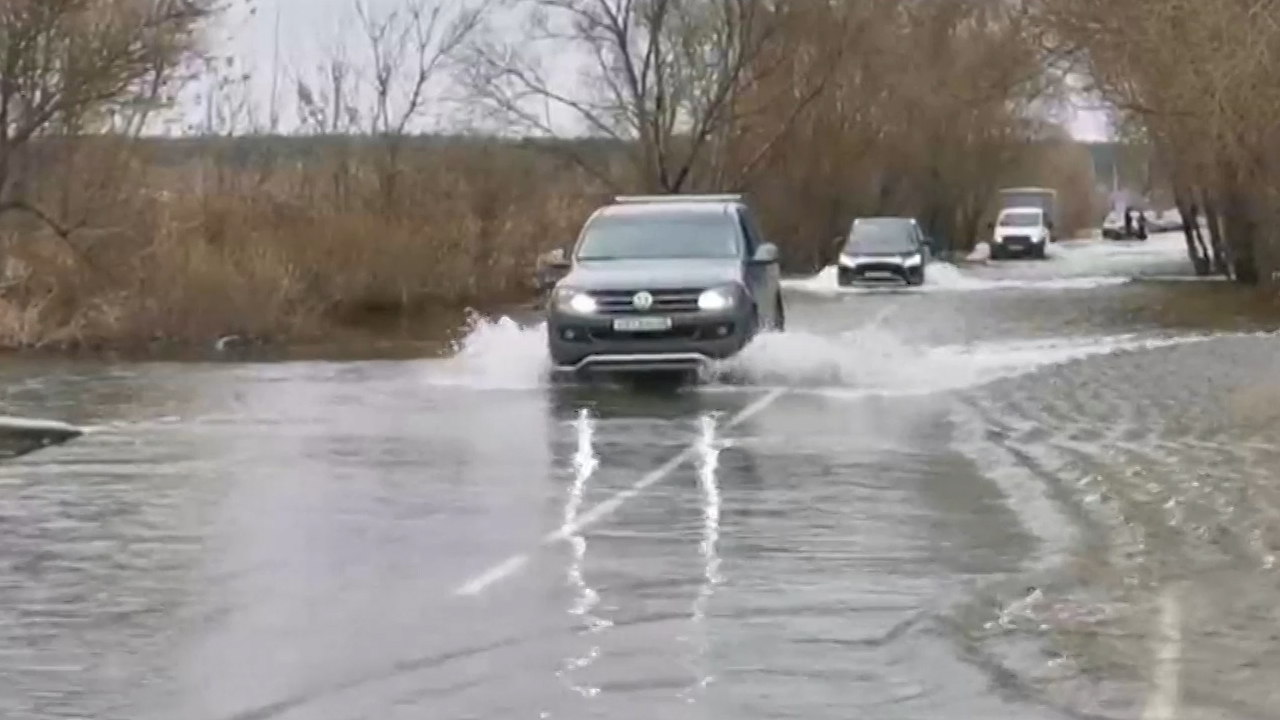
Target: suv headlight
x=912 y=260
x=718 y=298
x=575 y=301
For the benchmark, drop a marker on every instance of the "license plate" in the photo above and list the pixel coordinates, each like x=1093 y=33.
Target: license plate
x=642 y=324
x=881 y=276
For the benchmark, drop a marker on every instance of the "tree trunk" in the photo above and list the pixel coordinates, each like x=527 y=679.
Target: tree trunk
x=1240 y=236
x=1221 y=258
x=1190 y=225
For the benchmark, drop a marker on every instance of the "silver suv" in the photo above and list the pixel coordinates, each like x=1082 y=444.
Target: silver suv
x=663 y=283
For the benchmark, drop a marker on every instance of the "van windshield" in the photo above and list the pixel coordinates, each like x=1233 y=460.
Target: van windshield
x=1030 y=218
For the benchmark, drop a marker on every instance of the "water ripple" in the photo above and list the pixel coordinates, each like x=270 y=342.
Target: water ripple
x=1160 y=455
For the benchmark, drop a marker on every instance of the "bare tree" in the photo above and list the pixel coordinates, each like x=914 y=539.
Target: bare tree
x=68 y=60
x=410 y=49
x=1198 y=78
x=666 y=83
x=928 y=117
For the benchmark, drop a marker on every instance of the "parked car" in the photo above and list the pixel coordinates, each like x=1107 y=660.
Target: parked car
x=1113 y=226
x=1169 y=220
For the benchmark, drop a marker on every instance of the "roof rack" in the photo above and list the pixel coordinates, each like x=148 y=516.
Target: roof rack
x=676 y=197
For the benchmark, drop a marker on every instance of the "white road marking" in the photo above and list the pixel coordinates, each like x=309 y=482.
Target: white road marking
x=516 y=563
x=1164 y=698
x=504 y=569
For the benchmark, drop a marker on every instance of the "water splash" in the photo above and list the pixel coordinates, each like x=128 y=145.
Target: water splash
x=945 y=277
x=875 y=361
x=865 y=357
x=496 y=354
x=502 y=354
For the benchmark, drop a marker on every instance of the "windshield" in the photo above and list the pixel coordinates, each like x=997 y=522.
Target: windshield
x=881 y=237
x=656 y=235
x=1020 y=219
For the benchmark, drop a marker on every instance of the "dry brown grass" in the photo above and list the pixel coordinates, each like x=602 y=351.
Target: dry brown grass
x=289 y=256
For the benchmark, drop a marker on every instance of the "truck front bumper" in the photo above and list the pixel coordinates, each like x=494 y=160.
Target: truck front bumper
x=590 y=344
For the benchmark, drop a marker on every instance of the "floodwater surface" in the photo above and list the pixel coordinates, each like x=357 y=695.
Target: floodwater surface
x=995 y=496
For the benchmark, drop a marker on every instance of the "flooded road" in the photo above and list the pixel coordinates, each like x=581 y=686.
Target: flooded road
x=996 y=496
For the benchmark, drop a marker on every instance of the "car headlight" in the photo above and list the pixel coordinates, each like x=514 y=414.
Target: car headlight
x=913 y=260
x=848 y=260
x=575 y=301
x=716 y=299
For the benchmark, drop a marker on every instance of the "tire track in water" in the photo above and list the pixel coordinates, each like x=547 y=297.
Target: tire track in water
x=1147 y=451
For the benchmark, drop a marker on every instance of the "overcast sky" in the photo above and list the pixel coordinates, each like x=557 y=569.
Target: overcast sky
x=308 y=29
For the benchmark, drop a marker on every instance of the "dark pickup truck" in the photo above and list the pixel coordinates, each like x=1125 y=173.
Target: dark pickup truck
x=666 y=283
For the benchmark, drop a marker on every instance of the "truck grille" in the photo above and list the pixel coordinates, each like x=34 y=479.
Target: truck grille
x=618 y=302
x=1017 y=239
x=687 y=332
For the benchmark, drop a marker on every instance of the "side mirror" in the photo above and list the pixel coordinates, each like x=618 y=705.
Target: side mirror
x=766 y=254
x=556 y=259
x=551 y=266
x=837 y=241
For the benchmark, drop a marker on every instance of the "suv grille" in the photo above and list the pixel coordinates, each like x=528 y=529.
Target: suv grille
x=873 y=267
x=618 y=302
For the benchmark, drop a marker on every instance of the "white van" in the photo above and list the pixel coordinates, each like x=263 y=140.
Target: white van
x=1020 y=232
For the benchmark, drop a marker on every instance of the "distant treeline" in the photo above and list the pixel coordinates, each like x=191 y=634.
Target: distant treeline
x=245 y=151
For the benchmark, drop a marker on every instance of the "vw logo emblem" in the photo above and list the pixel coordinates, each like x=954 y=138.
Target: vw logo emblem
x=642 y=300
